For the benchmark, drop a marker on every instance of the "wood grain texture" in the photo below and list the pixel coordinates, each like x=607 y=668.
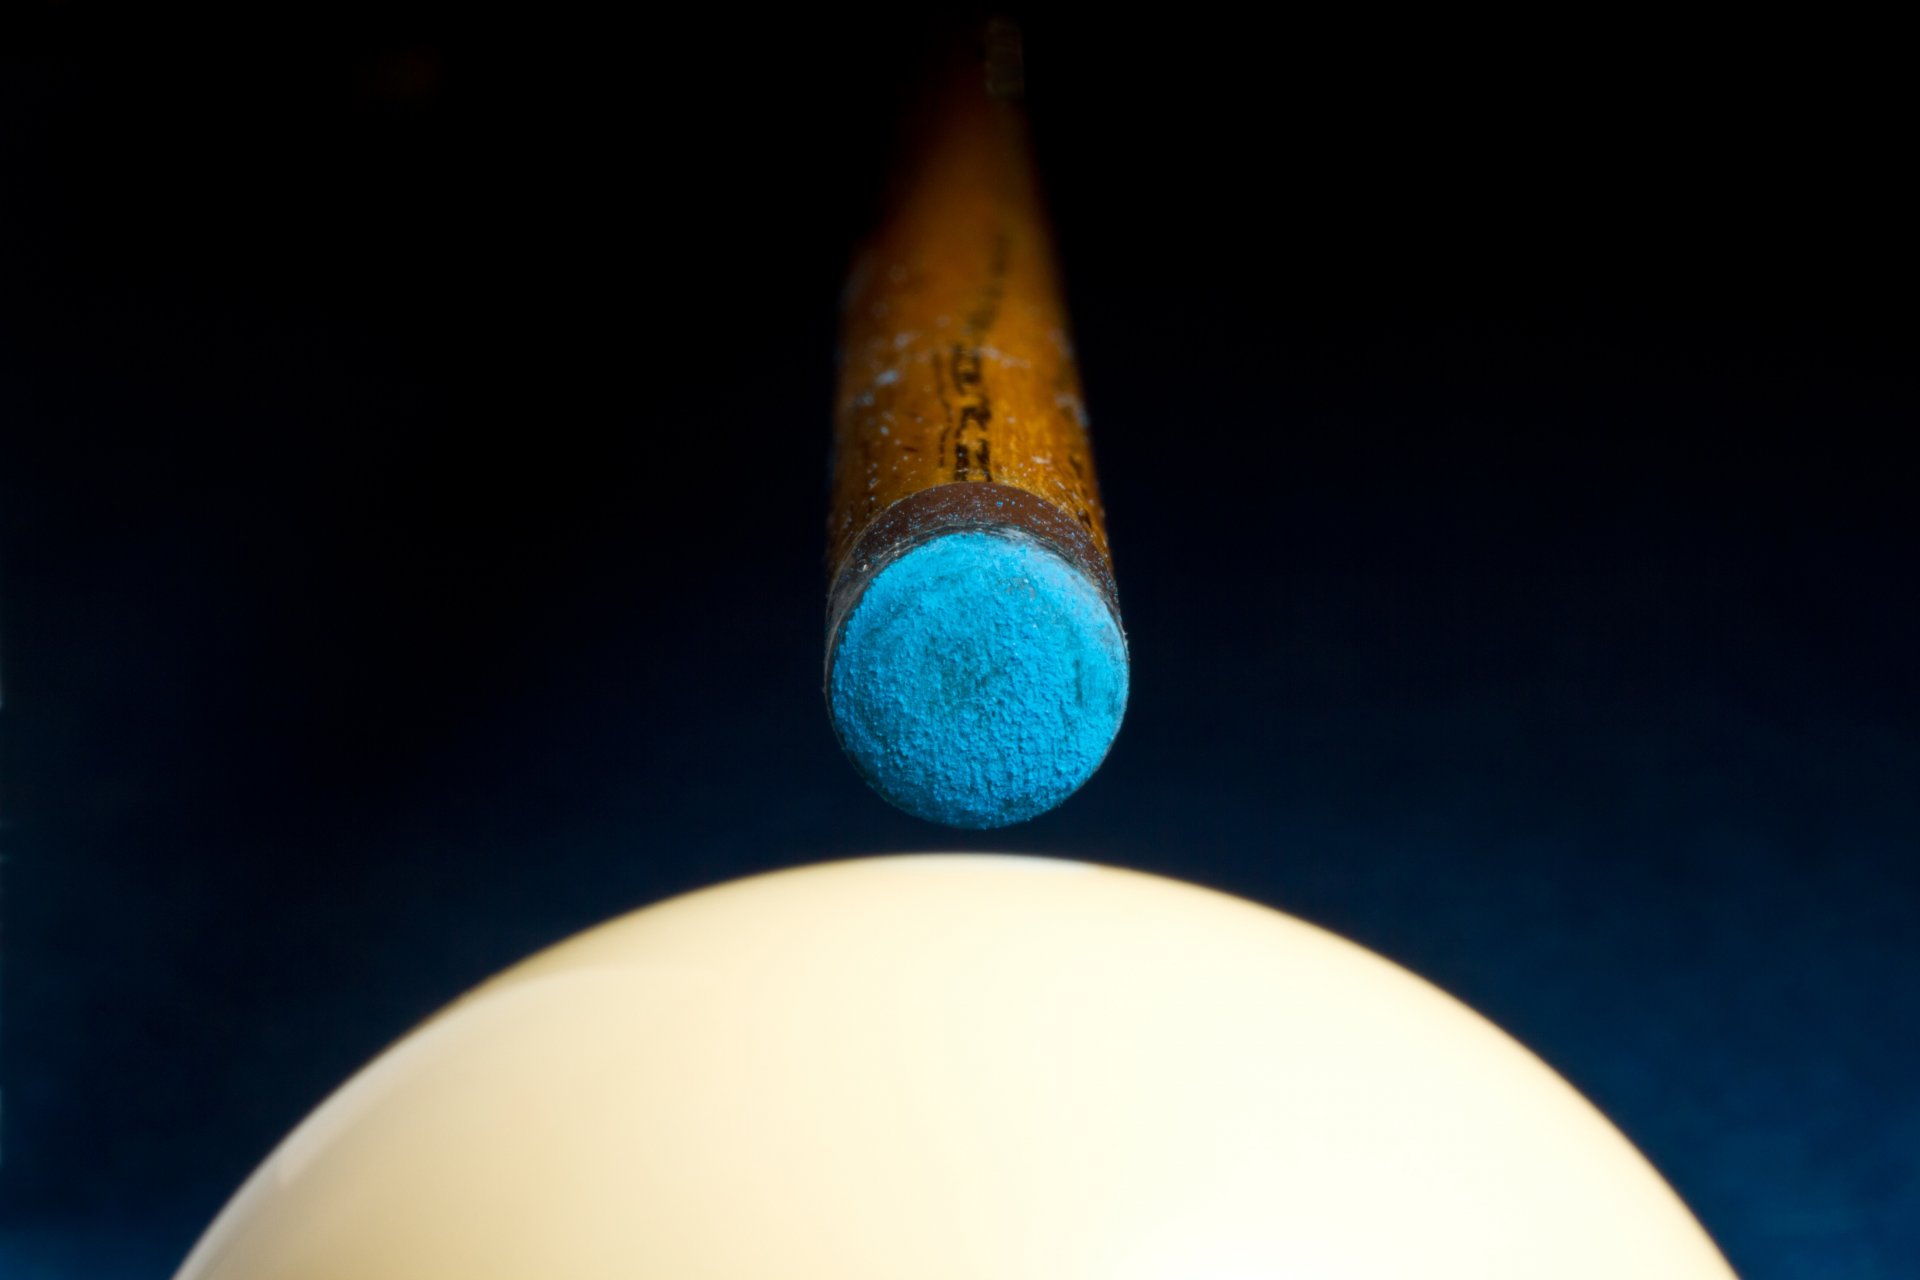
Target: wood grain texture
x=957 y=366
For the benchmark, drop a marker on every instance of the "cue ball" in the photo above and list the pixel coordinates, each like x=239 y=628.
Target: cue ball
x=955 y=1068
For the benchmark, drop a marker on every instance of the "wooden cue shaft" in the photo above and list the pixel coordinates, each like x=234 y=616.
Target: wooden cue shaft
x=959 y=403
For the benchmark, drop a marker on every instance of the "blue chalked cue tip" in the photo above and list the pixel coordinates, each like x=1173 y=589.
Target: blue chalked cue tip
x=979 y=678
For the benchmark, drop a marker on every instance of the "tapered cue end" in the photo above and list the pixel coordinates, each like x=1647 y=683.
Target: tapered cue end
x=978 y=679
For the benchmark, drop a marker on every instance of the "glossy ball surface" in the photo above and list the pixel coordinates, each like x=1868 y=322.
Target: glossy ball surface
x=955 y=1068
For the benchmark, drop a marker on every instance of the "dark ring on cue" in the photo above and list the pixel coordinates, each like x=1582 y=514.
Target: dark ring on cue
x=945 y=508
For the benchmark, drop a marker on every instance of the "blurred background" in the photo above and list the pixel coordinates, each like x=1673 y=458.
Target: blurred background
x=1506 y=433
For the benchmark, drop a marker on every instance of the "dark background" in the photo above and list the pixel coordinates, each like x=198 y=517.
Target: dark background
x=413 y=446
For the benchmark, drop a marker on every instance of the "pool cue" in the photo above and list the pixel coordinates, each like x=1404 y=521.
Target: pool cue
x=976 y=665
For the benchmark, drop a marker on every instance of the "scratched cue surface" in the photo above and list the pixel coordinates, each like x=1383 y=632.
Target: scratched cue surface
x=976 y=666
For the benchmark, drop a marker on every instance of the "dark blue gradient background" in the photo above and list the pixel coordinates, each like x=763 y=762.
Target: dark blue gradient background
x=412 y=449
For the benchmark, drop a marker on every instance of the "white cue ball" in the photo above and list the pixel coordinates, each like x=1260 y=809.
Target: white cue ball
x=955 y=1068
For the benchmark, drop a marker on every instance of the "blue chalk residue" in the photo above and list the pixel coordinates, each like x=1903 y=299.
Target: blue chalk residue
x=979 y=680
